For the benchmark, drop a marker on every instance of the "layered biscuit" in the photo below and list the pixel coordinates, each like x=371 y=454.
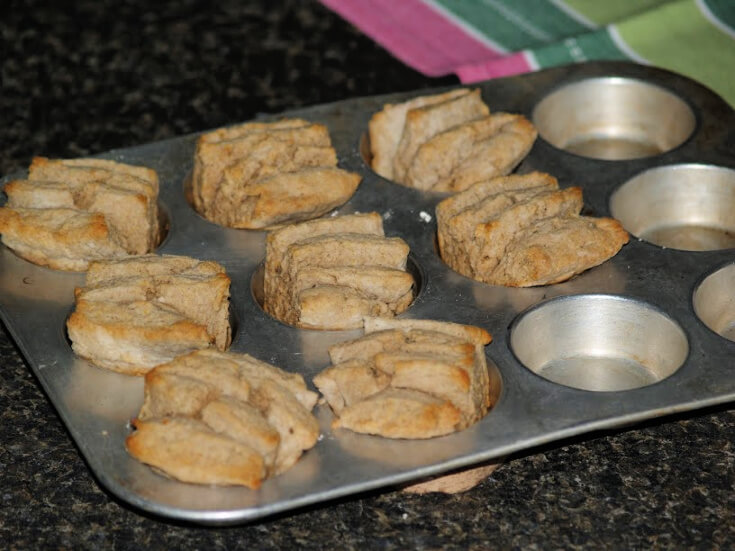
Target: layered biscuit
x=138 y=312
x=330 y=273
x=521 y=231
x=408 y=379
x=447 y=142
x=211 y=417
x=260 y=175
x=68 y=213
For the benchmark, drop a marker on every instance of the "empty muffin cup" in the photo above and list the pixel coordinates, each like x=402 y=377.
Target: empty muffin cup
x=714 y=302
x=614 y=118
x=599 y=342
x=689 y=207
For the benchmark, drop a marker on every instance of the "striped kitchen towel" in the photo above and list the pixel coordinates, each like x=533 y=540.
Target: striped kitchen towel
x=482 y=39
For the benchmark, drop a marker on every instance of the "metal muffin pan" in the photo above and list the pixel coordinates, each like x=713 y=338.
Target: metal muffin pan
x=680 y=206
x=614 y=118
x=642 y=304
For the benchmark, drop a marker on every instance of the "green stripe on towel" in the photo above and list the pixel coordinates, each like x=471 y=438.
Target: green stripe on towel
x=514 y=25
x=585 y=47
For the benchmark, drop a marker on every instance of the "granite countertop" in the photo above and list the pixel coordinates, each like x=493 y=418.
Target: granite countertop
x=102 y=75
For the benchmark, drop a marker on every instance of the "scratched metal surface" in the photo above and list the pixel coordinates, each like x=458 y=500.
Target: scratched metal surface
x=96 y=405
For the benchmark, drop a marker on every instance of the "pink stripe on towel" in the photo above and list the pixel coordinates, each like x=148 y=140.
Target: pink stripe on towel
x=415 y=33
x=510 y=65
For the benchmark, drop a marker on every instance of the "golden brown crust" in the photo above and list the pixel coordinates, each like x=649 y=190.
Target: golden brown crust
x=71 y=212
x=447 y=142
x=341 y=307
x=555 y=249
x=347 y=383
x=143 y=311
x=297 y=427
x=239 y=130
x=256 y=370
x=497 y=155
x=189 y=451
x=471 y=152
x=475 y=335
x=329 y=274
x=149 y=265
x=231 y=403
x=214 y=154
x=522 y=231
x=390 y=339
x=423 y=123
x=400 y=413
x=41 y=166
x=491 y=238
x=278 y=241
x=62 y=239
x=386 y=126
x=183 y=387
x=133 y=337
x=259 y=175
x=198 y=290
x=285 y=197
x=408 y=378
x=335 y=250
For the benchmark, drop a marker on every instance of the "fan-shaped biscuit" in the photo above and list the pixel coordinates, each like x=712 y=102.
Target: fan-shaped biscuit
x=142 y=311
x=522 y=231
x=386 y=128
x=253 y=418
x=259 y=175
x=447 y=142
x=408 y=378
x=71 y=212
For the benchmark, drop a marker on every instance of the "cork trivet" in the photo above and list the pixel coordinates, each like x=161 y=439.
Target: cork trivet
x=458 y=481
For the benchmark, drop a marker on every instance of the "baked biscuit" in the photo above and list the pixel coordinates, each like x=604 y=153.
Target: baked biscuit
x=386 y=127
x=424 y=123
x=283 y=197
x=71 y=212
x=447 y=142
x=472 y=152
x=136 y=313
x=190 y=451
x=63 y=239
x=457 y=216
x=219 y=149
x=278 y=242
x=44 y=169
x=401 y=413
x=408 y=378
x=259 y=175
x=554 y=249
x=329 y=274
x=123 y=193
x=522 y=231
x=213 y=417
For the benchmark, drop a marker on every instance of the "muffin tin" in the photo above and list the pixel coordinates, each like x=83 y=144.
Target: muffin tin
x=646 y=334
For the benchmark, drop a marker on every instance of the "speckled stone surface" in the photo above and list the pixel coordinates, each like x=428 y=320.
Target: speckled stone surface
x=105 y=75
